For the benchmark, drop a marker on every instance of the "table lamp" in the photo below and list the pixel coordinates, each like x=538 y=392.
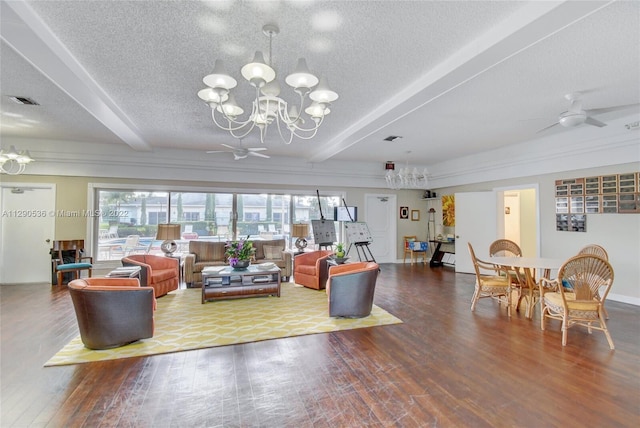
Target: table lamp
x=300 y=231
x=168 y=233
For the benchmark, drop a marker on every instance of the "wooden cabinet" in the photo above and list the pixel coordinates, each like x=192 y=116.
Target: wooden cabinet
x=614 y=193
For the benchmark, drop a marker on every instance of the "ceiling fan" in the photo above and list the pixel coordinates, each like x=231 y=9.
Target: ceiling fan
x=242 y=152
x=575 y=115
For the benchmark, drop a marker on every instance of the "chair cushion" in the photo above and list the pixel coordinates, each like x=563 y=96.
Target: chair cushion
x=554 y=300
x=418 y=246
x=72 y=266
x=273 y=252
x=163 y=274
x=306 y=269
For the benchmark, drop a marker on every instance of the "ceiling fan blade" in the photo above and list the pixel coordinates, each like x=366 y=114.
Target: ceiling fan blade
x=217 y=151
x=259 y=155
x=594 y=122
x=548 y=127
x=237 y=156
x=257 y=149
x=610 y=109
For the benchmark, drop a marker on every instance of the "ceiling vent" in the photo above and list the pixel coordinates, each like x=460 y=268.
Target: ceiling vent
x=24 y=101
x=392 y=137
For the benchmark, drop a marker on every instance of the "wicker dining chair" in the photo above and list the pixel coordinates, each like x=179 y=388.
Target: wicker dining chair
x=504 y=248
x=596 y=250
x=571 y=297
x=490 y=282
x=508 y=248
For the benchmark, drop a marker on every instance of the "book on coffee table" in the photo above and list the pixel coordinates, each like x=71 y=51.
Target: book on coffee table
x=124 y=272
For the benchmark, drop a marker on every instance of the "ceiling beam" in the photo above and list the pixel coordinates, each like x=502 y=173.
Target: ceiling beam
x=531 y=24
x=25 y=32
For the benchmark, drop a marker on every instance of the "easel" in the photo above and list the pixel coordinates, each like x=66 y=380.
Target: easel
x=364 y=247
x=321 y=245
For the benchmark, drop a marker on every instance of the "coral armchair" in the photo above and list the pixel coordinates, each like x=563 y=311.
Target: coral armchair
x=112 y=312
x=350 y=289
x=310 y=269
x=159 y=272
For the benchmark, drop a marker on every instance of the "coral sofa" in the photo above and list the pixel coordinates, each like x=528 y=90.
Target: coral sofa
x=204 y=253
x=159 y=272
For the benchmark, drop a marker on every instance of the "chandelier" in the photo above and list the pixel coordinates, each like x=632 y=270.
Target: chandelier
x=406 y=178
x=267 y=107
x=14 y=162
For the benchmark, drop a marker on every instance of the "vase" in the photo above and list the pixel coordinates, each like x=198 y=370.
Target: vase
x=241 y=265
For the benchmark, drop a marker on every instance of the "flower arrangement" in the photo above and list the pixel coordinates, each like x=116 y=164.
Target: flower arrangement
x=239 y=250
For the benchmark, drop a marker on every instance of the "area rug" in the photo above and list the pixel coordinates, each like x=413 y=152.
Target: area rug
x=183 y=323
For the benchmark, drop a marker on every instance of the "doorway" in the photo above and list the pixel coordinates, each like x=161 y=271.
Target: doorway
x=519 y=221
x=381 y=219
x=28 y=226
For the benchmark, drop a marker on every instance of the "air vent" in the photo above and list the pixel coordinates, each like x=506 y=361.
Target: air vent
x=24 y=101
x=392 y=137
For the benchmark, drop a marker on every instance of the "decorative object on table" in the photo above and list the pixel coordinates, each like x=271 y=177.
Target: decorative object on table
x=168 y=233
x=448 y=210
x=404 y=213
x=339 y=255
x=239 y=253
x=300 y=231
x=268 y=107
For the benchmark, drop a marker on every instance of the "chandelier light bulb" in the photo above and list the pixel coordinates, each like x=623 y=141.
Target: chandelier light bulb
x=257 y=72
x=322 y=93
x=219 y=78
x=302 y=77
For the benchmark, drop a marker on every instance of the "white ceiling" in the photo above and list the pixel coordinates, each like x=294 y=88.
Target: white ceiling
x=452 y=78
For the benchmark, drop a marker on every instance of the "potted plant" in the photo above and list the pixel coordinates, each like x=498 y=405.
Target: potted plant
x=340 y=250
x=239 y=253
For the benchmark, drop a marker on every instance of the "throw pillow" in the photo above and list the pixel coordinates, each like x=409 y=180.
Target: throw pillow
x=272 y=252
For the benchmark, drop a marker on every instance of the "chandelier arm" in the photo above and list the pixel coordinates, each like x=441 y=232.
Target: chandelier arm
x=291 y=134
x=314 y=129
x=230 y=128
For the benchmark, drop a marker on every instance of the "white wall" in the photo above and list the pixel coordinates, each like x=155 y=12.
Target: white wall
x=618 y=233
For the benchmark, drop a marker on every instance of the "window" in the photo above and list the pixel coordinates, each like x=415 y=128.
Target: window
x=202 y=216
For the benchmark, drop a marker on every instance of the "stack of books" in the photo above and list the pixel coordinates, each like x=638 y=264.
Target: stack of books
x=124 y=272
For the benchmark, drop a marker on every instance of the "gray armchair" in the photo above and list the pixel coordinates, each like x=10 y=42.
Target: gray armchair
x=351 y=288
x=112 y=312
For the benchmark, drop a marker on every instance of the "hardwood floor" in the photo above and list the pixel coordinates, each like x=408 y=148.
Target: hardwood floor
x=444 y=366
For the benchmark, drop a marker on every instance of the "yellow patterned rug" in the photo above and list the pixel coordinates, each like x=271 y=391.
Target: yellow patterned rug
x=183 y=323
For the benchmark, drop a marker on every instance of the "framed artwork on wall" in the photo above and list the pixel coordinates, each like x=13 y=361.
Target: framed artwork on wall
x=415 y=215
x=404 y=212
x=448 y=210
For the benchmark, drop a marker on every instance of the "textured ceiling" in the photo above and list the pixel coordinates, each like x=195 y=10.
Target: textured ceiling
x=451 y=78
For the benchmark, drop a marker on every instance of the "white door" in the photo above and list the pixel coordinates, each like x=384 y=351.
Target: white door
x=476 y=223
x=380 y=216
x=27 y=233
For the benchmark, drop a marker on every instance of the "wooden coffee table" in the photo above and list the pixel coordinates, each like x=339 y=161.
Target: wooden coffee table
x=219 y=283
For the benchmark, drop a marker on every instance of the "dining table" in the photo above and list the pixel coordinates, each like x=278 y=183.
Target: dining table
x=525 y=269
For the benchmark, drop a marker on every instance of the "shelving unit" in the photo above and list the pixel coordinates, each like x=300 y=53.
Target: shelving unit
x=614 y=193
